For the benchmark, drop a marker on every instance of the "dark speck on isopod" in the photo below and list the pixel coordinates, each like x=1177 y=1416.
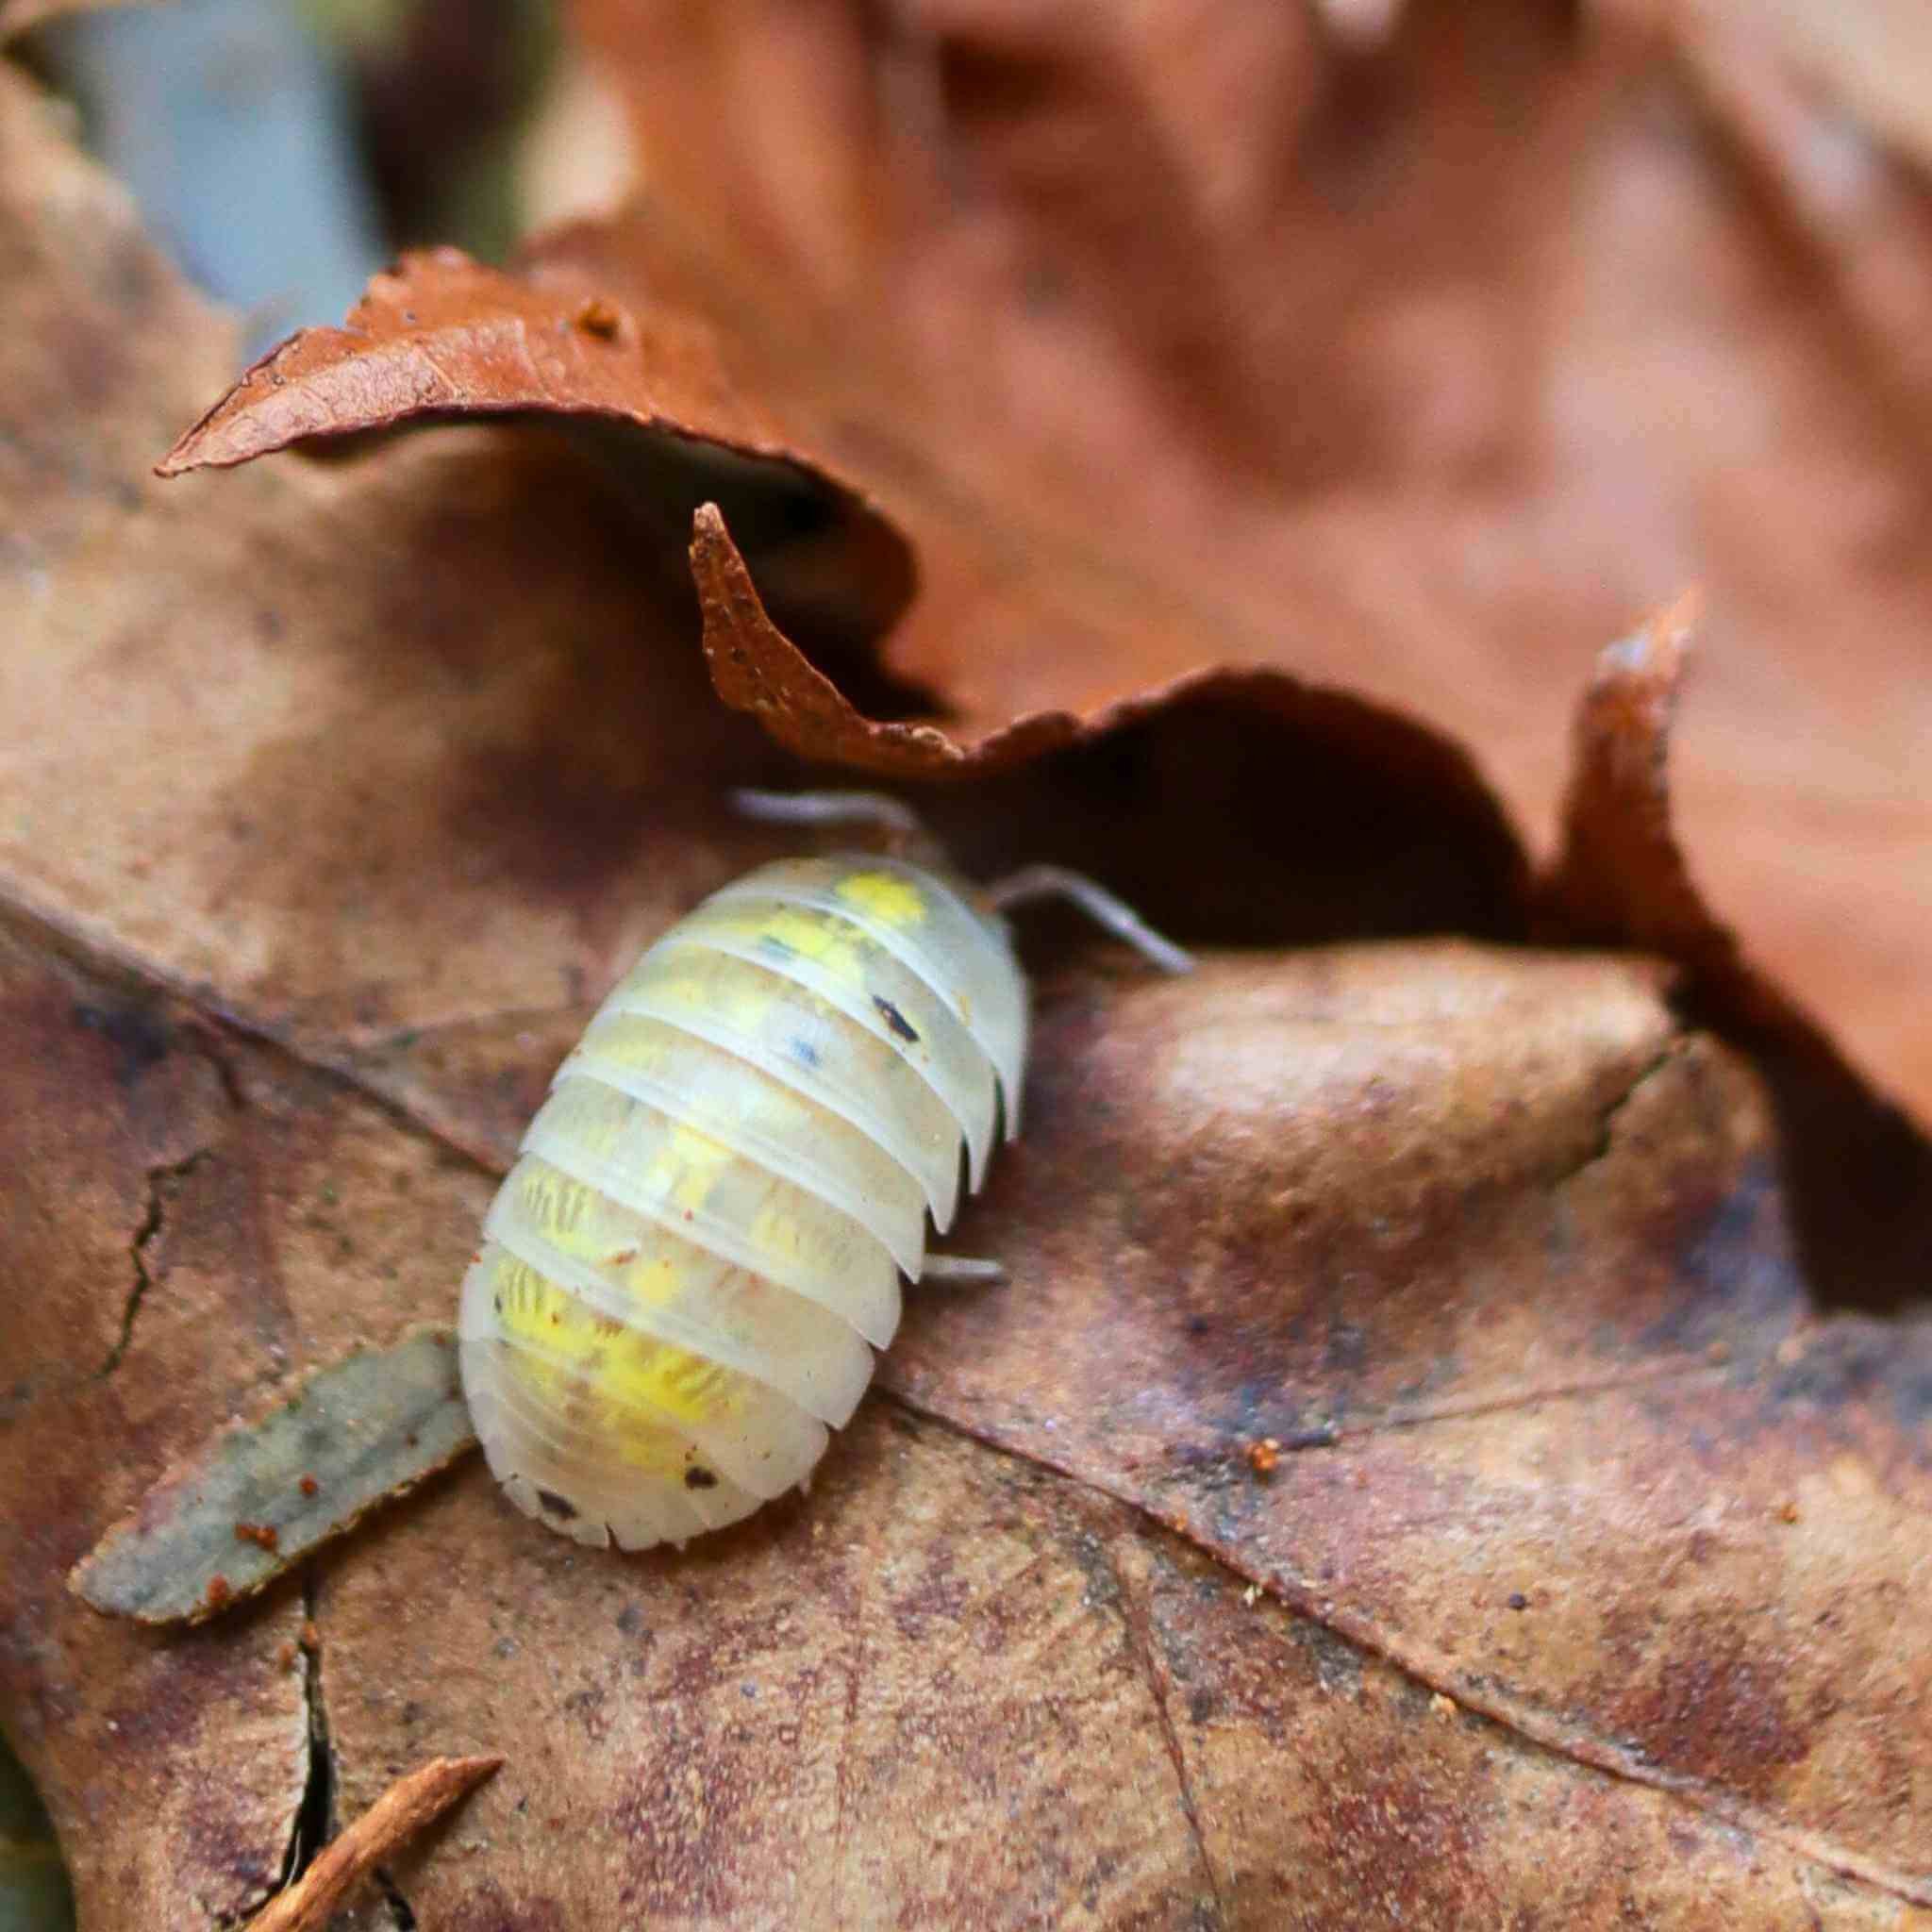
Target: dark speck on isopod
x=699 y=1479
x=901 y=1026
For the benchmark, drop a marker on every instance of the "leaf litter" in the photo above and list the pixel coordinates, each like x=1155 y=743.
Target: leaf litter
x=1494 y=1246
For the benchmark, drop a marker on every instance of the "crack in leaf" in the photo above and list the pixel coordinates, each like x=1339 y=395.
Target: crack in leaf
x=162 y=1181
x=400 y=1909
x=1328 y=1435
x=97 y=955
x=1672 y=1049
x=847 y=1734
x=1690 y=1368
x=1139 y=1639
x=436 y=1026
x=313 y=1824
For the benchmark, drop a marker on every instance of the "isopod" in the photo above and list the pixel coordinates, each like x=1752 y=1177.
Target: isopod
x=683 y=1278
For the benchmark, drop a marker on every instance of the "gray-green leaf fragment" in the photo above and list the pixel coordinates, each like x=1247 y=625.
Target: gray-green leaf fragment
x=263 y=1495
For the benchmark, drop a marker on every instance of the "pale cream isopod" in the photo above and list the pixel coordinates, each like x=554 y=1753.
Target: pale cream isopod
x=684 y=1276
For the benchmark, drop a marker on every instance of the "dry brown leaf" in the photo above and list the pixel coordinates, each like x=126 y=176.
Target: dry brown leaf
x=1579 y=1586
x=1235 y=805
x=1493 y=1245
x=1183 y=333
x=443 y=337
x=1858 y=1175
x=1872 y=57
x=937 y=1631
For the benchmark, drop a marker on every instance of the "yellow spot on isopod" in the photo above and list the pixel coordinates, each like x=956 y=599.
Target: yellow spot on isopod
x=575 y=1357
x=690 y=1167
x=885 y=896
x=829 y=943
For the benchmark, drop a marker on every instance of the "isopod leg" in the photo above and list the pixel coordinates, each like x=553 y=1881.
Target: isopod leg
x=962 y=1268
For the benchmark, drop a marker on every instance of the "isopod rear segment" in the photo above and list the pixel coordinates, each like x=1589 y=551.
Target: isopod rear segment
x=684 y=1276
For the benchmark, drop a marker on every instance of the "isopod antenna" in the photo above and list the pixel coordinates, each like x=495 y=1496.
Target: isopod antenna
x=1111 y=914
x=829 y=808
x=1031 y=883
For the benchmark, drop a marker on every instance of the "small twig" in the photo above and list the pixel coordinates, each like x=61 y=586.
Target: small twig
x=409 y=1805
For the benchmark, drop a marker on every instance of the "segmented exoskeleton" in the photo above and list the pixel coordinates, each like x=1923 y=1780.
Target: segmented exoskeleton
x=684 y=1274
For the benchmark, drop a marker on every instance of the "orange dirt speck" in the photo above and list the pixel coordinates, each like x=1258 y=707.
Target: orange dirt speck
x=598 y=318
